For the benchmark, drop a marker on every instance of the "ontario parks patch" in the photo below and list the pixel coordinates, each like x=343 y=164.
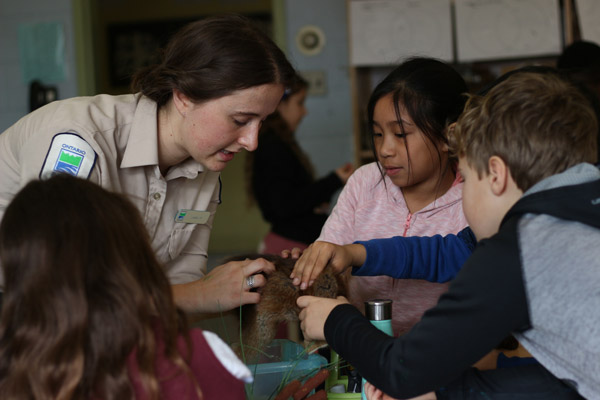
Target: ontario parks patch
x=69 y=153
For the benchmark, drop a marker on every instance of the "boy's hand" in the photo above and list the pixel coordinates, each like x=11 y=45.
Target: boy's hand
x=321 y=254
x=315 y=311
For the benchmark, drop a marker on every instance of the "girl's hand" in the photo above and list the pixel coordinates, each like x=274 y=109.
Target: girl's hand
x=314 y=313
x=294 y=253
x=321 y=254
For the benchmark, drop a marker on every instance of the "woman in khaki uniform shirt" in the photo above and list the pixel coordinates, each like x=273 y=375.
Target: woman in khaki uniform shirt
x=164 y=147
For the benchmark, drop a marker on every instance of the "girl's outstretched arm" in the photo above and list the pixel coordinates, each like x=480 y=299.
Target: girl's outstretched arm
x=432 y=258
x=321 y=254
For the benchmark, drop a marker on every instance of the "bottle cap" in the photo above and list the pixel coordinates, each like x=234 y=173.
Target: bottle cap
x=378 y=309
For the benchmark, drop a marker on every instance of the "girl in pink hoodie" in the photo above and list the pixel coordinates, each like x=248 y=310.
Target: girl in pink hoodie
x=412 y=189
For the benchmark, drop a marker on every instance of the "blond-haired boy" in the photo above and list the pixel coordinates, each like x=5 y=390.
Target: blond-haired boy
x=532 y=197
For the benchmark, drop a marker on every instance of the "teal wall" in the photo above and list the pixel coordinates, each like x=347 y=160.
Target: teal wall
x=14 y=91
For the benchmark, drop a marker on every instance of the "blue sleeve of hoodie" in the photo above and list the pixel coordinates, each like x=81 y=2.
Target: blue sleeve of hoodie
x=434 y=259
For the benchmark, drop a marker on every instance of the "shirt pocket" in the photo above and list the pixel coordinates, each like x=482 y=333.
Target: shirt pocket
x=179 y=239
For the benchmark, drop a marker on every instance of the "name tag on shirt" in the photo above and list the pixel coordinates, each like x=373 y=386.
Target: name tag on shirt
x=192 y=216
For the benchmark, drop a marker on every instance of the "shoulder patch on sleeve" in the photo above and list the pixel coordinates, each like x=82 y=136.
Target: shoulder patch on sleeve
x=69 y=153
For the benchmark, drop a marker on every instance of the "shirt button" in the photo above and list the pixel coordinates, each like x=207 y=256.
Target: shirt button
x=156 y=196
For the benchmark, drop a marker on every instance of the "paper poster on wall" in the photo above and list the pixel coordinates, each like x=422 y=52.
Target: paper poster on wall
x=383 y=32
x=496 y=29
x=588 y=12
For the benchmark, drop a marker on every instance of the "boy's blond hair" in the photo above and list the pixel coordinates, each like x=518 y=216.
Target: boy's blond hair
x=538 y=124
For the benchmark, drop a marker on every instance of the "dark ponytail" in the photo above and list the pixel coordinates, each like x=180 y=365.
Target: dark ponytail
x=212 y=58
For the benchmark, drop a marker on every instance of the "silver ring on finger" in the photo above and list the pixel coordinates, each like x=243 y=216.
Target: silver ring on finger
x=250 y=281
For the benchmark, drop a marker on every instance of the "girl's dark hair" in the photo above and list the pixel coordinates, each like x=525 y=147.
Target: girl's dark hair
x=82 y=290
x=276 y=125
x=431 y=92
x=212 y=58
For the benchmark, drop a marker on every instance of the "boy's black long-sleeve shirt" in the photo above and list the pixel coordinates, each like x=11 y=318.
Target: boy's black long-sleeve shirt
x=470 y=319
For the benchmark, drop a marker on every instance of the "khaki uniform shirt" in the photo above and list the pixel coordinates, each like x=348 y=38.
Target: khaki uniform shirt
x=113 y=141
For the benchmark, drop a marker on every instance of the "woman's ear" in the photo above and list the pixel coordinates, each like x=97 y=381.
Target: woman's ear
x=181 y=102
x=498 y=175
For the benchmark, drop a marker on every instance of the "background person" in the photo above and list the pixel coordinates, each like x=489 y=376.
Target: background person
x=281 y=178
x=580 y=61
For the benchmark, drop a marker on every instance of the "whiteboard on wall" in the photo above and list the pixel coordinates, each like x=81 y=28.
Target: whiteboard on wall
x=496 y=29
x=588 y=12
x=383 y=32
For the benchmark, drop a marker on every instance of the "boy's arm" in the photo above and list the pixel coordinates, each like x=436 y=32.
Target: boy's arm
x=470 y=319
x=435 y=259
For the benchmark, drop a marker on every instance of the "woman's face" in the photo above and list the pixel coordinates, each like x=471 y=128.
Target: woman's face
x=215 y=130
x=292 y=109
x=394 y=144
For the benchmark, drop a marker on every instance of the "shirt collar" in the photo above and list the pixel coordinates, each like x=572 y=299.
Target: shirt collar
x=187 y=169
x=142 y=144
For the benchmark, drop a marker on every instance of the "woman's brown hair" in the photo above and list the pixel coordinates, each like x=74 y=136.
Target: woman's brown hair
x=82 y=290
x=212 y=58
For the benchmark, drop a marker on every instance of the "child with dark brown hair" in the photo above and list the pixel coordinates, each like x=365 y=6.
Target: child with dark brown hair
x=88 y=311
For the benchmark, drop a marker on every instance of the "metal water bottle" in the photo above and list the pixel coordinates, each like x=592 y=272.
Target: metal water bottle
x=379 y=311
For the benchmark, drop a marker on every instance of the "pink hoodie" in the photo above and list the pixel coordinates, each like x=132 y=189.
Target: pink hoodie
x=367 y=209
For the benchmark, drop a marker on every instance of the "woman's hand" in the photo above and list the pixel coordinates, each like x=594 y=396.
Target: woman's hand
x=321 y=254
x=314 y=313
x=225 y=287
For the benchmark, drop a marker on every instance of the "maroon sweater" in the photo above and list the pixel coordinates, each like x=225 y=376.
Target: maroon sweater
x=215 y=381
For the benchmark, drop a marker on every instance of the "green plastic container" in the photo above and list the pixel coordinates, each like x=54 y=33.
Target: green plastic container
x=342 y=396
x=283 y=362
x=335 y=379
